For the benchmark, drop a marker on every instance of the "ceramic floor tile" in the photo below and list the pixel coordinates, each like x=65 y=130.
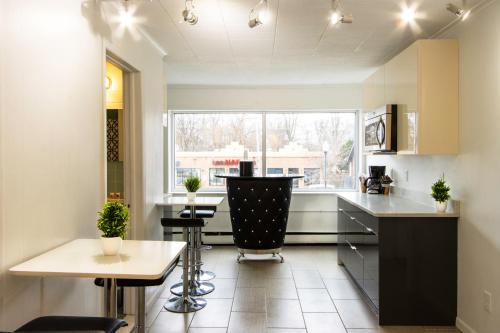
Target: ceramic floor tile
x=323 y=322
x=342 y=289
x=224 y=288
x=207 y=330
x=307 y=279
x=215 y=314
x=246 y=322
x=154 y=311
x=281 y=288
x=388 y=329
x=286 y=330
x=356 y=314
x=250 y=300
x=315 y=300
x=333 y=272
x=169 y=322
x=284 y=313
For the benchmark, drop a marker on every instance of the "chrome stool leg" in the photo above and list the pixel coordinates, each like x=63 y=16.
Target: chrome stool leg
x=201 y=275
x=196 y=288
x=185 y=303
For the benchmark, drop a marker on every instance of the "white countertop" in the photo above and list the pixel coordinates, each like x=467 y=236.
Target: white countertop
x=183 y=201
x=393 y=206
x=145 y=260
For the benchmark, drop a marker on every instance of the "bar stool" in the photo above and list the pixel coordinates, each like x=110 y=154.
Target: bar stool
x=141 y=293
x=71 y=323
x=185 y=302
x=206 y=212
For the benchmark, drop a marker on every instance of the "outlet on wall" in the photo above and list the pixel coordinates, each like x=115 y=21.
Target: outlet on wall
x=487 y=301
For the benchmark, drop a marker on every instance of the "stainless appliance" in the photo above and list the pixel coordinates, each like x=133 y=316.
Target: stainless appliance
x=380 y=129
x=374 y=182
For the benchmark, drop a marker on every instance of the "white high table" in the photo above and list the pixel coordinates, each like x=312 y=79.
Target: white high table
x=83 y=258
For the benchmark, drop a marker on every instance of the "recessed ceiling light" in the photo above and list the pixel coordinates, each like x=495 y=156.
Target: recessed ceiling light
x=126 y=15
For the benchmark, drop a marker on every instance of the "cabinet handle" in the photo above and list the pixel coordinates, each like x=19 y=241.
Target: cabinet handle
x=352 y=218
x=353 y=248
x=369 y=229
x=341 y=210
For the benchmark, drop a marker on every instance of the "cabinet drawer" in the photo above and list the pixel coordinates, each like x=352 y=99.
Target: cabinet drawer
x=359 y=215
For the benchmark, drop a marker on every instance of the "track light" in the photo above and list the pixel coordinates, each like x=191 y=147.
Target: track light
x=457 y=11
x=188 y=13
x=260 y=14
x=337 y=15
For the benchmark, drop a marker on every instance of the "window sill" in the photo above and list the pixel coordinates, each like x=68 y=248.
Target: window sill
x=177 y=193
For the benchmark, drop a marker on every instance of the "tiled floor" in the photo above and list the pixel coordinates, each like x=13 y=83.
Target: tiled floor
x=309 y=292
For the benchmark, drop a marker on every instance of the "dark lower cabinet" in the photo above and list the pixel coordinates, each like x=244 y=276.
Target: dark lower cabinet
x=406 y=267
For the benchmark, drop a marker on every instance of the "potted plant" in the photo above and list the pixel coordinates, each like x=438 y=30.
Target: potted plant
x=192 y=184
x=440 y=193
x=113 y=223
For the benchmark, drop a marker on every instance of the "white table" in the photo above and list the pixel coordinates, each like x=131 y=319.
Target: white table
x=183 y=201
x=83 y=258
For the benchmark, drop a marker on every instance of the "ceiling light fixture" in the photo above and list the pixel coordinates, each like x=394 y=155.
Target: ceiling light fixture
x=126 y=17
x=188 y=13
x=337 y=15
x=408 y=15
x=259 y=14
x=457 y=11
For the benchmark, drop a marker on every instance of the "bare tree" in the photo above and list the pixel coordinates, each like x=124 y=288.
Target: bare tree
x=290 y=126
x=187 y=132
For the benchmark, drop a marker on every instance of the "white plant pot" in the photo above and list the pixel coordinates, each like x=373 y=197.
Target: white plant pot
x=111 y=246
x=441 y=206
x=191 y=196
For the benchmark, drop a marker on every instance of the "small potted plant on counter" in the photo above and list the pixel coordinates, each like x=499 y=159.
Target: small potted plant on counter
x=192 y=184
x=113 y=223
x=386 y=184
x=440 y=193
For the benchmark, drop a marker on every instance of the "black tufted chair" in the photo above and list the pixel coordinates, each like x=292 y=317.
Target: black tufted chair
x=259 y=213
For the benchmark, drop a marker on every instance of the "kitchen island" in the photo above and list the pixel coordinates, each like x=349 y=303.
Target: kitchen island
x=402 y=255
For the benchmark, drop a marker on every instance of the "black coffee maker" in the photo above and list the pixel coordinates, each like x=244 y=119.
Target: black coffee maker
x=374 y=183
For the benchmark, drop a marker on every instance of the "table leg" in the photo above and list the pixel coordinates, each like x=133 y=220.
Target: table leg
x=110 y=306
x=185 y=268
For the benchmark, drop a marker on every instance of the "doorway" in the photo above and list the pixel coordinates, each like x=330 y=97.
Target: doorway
x=122 y=109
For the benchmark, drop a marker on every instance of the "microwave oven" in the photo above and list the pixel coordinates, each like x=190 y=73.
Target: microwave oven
x=380 y=128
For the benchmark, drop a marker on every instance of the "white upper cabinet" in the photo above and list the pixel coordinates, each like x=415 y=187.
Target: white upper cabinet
x=423 y=81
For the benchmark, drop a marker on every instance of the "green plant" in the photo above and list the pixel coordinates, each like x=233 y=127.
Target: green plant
x=192 y=183
x=113 y=220
x=440 y=190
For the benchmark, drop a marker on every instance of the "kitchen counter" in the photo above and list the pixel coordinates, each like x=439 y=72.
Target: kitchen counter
x=380 y=205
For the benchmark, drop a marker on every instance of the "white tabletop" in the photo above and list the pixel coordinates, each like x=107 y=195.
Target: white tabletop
x=145 y=260
x=183 y=201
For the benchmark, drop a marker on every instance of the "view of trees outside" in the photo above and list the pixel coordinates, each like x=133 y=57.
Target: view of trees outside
x=316 y=145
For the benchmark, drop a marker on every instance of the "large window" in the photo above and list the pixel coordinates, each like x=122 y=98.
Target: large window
x=318 y=145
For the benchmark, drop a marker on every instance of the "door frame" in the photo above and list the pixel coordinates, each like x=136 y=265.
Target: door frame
x=133 y=182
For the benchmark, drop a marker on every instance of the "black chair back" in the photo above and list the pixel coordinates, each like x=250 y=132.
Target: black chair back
x=259 y=211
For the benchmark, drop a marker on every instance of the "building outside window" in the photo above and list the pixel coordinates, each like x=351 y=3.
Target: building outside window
x=322 y=146
x=214 y=181
x=182 y=173
x=311 y=176
x=274 y=171
x=293 y=172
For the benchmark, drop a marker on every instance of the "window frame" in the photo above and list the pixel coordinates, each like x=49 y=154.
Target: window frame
x=171 y=145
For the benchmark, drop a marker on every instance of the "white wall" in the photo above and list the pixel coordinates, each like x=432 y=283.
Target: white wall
x=308 y=212
x=473 y=174
x=264 y=98
x=52 y=145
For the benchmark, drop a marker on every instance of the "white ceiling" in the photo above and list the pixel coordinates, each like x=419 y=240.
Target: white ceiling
x=297 y=47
